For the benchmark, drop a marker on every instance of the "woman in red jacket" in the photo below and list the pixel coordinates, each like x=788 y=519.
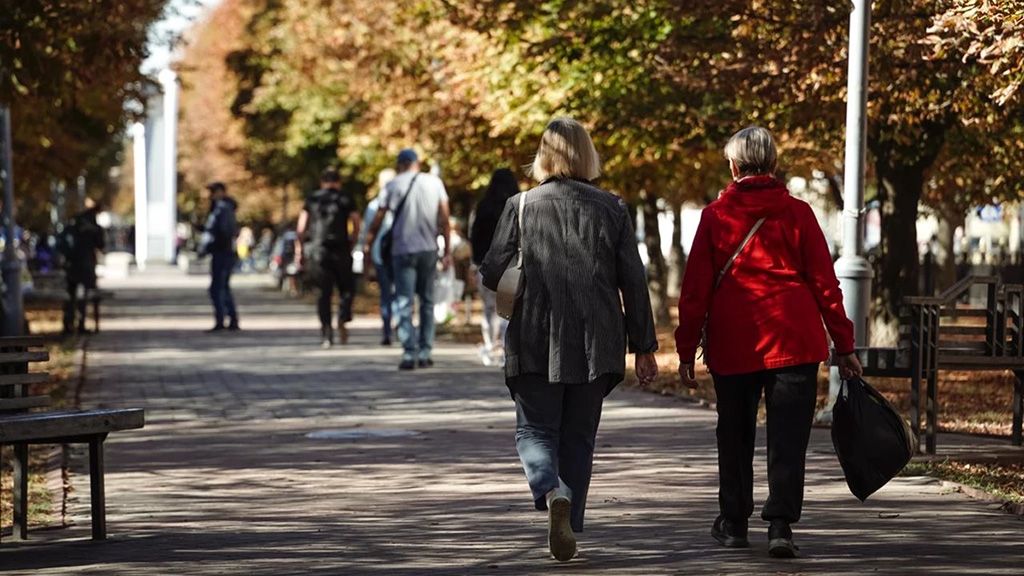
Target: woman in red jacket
x=760 y=275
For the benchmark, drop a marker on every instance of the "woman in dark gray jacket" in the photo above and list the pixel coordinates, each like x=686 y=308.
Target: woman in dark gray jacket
x=584 y=299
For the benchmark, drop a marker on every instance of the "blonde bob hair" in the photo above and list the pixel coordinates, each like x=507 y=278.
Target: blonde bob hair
x=753 y=151
x=566 y=151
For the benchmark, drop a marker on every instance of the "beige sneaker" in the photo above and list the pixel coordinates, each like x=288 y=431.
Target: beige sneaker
x=561 y=540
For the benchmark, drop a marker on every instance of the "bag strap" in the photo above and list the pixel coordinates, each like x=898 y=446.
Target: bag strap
x=401 y=204
x=522 y=206
x=728 y=264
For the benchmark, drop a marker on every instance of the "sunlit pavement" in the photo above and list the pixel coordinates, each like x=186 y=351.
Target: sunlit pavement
x=416 y=473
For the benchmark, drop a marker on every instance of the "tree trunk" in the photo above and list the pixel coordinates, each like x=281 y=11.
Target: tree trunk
x=898 y=275
x=948 y=223
x=900 y=171
x=657 y=268
x=676 y=258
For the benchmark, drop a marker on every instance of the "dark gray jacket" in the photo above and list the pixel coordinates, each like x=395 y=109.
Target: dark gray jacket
x=581 y=267
x=221 y=229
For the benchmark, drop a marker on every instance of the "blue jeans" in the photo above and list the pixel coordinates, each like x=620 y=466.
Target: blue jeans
x=414 y=275
x=556 y=428
x=221 y=266
x=387 y=297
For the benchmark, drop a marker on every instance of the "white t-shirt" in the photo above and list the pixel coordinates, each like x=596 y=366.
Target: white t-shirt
x=415 y=229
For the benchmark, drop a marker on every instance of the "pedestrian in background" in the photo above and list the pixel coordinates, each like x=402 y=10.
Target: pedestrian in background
x=245 y=244
x=419 y=203
x=566 y=343
x=83 y=241
x=218 y=241
x=327 y=229
x=760 y=278
x=462 y=265
x=382 y=271
x=503 y=185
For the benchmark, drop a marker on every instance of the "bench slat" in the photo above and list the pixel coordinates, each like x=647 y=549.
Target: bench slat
x=963 y=346
x=961 y=330
x=43 y=426
x=22 y=379
x=23 y=357
x=23 y=341
x=947 y=361
x=964 y=313
x=7 y=404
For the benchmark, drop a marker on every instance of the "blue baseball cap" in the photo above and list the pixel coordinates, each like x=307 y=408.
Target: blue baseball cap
x=408 y=156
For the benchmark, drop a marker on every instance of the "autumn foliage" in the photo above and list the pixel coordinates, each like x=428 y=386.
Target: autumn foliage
x=69 y=71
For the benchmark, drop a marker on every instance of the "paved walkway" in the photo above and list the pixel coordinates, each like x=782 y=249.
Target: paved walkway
x=225 y=478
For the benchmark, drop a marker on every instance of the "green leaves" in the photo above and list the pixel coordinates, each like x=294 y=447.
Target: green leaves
x=68 y=69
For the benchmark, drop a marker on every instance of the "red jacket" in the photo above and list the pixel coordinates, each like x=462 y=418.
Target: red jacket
x=767 y=312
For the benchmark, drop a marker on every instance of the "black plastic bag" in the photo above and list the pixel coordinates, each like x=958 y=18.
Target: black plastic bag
x=871 y=439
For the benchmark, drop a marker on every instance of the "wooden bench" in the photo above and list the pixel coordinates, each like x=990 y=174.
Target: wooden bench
x=21 y=425
x=942 y=333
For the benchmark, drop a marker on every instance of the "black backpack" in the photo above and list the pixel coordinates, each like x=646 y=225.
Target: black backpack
x=329 y=211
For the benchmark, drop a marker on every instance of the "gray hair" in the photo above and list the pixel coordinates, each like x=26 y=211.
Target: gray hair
x=566 y=150
x=753 y=151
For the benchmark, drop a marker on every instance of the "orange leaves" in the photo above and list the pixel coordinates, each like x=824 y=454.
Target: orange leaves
x=987 y=33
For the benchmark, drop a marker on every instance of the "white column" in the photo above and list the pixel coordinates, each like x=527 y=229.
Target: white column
x=169 y=82
x=141 y=195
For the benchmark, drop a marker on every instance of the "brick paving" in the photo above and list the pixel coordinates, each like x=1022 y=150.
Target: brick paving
x=225 y=480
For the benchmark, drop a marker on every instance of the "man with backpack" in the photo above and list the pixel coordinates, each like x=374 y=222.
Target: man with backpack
x=328 y=225
x=218 y=241
x=81 y=240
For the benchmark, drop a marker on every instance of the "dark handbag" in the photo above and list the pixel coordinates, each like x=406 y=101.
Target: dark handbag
x=510 y=286
x=718 y=280
x=871 y=439
x=387 y=240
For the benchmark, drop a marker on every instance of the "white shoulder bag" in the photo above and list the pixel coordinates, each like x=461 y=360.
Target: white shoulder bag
x=511 y=284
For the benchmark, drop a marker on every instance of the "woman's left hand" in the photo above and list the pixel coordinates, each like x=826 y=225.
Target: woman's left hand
x=849 y=366
x=646 y=368
x=687 y=377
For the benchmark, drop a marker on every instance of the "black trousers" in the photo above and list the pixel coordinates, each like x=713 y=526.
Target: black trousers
x=333 y=272
x=75 y=307
x=556 y=427
x=790 y=395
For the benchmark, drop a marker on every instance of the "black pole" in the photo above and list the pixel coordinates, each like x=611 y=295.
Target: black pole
x=13 y=320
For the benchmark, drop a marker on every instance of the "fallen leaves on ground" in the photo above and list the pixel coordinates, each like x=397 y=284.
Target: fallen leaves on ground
x=1004 y=481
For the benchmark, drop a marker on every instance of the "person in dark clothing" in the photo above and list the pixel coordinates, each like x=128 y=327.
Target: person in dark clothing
x=83 y=240
x=219 y=242
x=583 y=300
x=503 y=186
x=328 y=225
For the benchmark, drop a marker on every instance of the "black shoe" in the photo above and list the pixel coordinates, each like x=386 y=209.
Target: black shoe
x=426 y=363
x=233 y=327
x=407 y=365
x=215 y=329
x=730 y=534
x=386 y=341
x=780 y=540
x=326 y=338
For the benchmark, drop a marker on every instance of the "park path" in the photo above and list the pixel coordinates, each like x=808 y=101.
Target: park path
x=225 y=478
